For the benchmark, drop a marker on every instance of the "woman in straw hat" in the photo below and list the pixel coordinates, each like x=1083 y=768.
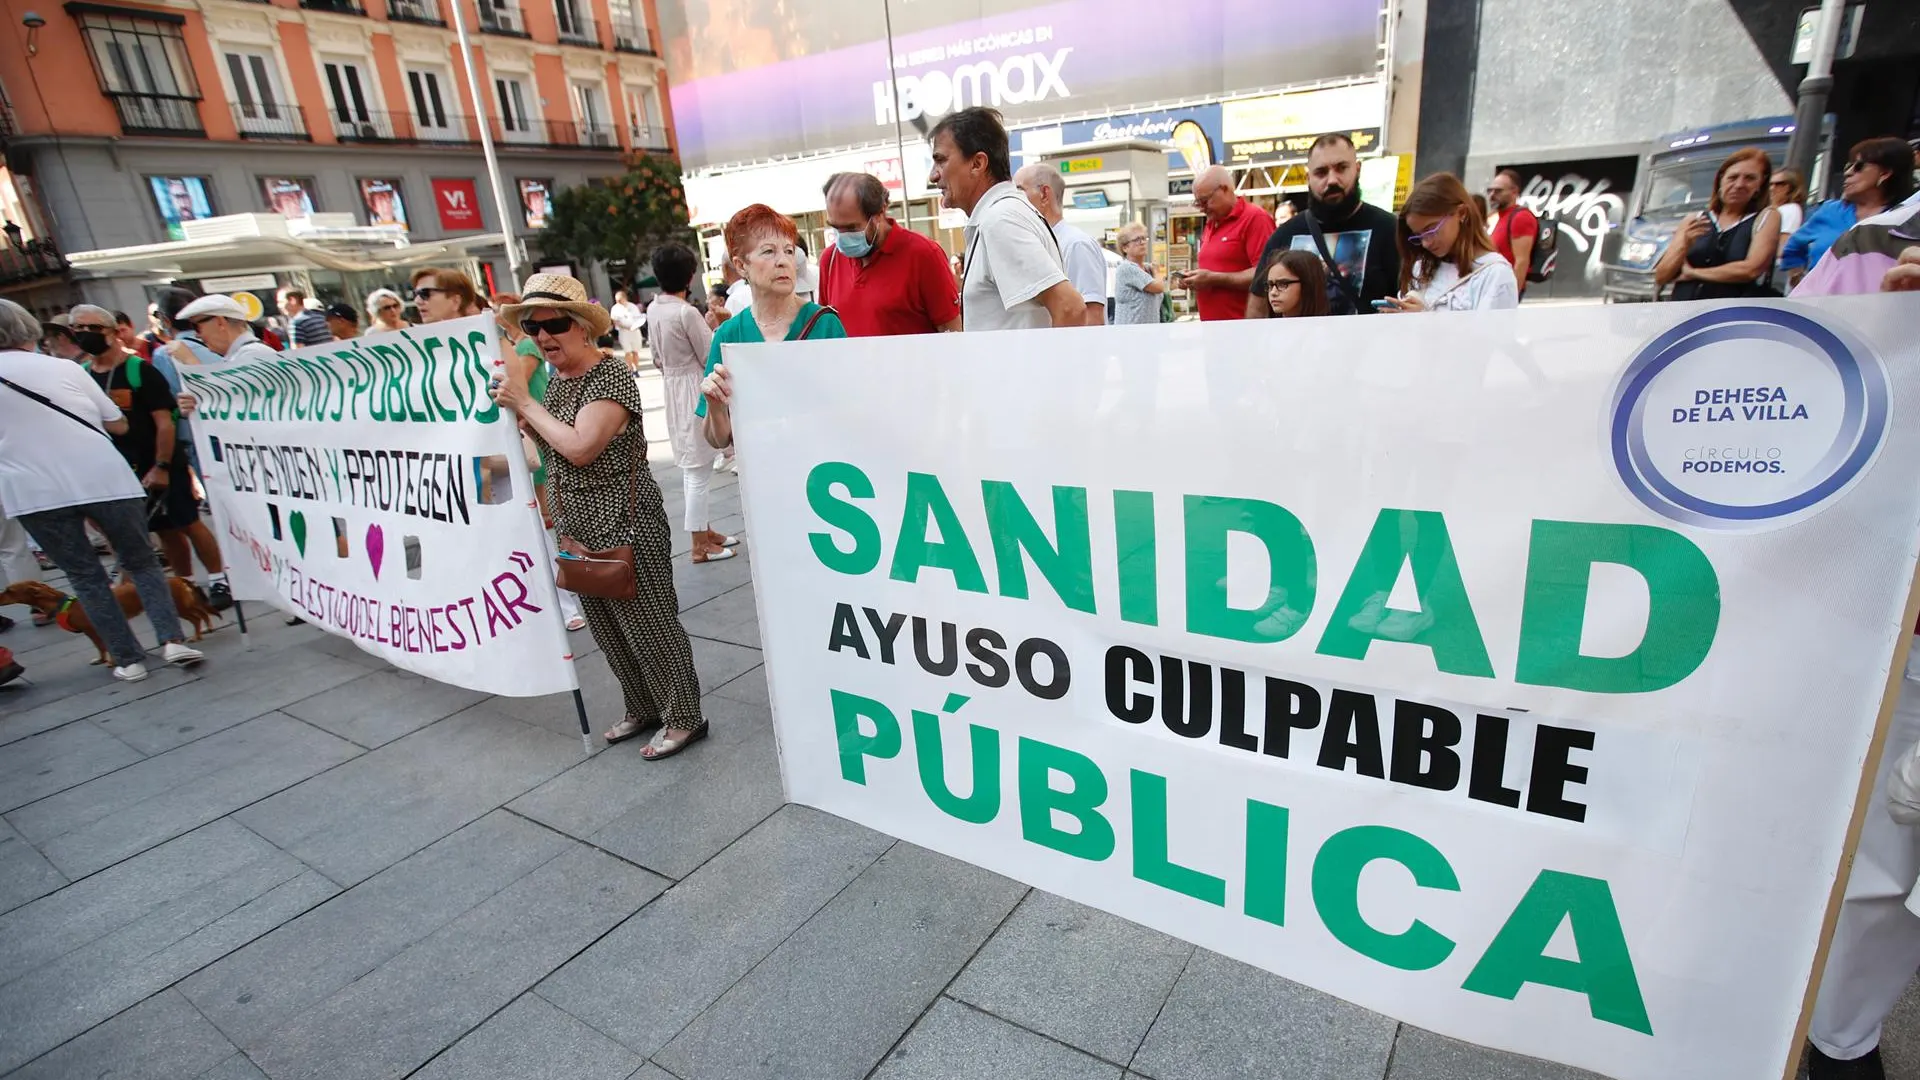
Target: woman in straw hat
x=603 y=496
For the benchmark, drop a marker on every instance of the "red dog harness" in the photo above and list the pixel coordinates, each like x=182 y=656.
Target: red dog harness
x=64 y=617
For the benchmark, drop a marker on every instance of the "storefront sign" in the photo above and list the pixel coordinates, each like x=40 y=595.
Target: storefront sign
x=1449 y=717
x=458 y=203
x=372 y=488
x=1192 y=133
x=741 y=95
x=1082 y=165
x=1090 y=200
x=1283 y=127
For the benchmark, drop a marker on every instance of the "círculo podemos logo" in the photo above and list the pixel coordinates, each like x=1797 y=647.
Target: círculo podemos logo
x=1747 y=418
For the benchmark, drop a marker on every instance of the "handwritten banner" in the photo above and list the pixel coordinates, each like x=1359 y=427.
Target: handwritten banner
x=372 y=488
x=1509 y=674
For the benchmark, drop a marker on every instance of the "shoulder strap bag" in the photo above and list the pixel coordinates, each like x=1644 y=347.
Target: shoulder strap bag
x=63 y=411
x=1334 y=277
x=814 y=319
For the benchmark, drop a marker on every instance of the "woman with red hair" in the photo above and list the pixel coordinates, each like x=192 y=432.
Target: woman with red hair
x=764 y=247
x=1726 y=250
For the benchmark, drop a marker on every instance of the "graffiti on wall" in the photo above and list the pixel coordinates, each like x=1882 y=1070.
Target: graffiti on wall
x=1583 y=200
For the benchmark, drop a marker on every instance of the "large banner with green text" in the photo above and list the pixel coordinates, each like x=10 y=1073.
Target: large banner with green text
x=372 y=488
x=1511 y=674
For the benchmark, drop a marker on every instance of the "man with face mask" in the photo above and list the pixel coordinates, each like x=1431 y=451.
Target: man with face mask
x=882 y=279
x=1354 y=238
x=152 y=446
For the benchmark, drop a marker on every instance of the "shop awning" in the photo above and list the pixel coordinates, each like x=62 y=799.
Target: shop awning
x=257 y=243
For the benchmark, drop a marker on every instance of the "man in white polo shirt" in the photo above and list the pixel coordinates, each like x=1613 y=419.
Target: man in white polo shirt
x=1014 y=277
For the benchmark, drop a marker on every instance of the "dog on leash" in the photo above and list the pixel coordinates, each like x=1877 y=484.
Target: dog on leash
x=44 y=599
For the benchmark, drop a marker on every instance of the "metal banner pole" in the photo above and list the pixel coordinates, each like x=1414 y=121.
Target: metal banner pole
x=486 y=145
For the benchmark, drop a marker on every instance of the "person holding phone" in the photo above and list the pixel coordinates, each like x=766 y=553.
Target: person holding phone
x=1446 y=262
x=1726 y=251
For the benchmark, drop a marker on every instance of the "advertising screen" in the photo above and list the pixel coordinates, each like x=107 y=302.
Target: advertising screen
x=180 y=198
x=383 y=201
x=814 y=76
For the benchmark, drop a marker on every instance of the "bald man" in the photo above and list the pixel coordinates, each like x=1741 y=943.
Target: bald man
x=1046 y=189
x=1236 y=232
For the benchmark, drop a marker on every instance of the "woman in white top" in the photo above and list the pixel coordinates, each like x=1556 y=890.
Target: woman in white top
x=628 y=318
x=1446 y=263
x=1787 y=193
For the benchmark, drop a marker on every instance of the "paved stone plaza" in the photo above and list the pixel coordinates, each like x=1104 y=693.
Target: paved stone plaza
x=297 y=862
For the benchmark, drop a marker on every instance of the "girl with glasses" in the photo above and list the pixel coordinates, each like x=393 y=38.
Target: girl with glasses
x=1295 y=284
x=1878 y=176
x=1446 y=261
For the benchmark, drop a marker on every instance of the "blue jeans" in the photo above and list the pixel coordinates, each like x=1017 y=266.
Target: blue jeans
x=62 y=534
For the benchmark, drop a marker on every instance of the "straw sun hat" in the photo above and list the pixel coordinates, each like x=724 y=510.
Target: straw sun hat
x=563 y=293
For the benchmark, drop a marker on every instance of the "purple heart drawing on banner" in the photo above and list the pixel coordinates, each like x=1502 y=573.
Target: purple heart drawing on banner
x=376 y=547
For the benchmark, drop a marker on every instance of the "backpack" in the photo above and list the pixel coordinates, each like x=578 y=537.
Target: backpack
x=134 y=366
x=1546 y=238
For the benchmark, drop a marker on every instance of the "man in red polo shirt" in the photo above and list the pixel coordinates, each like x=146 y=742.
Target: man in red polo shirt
x=1236 y=232
x=882 y=279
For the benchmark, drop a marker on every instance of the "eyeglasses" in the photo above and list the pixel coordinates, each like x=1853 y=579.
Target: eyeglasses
x=554 y=327
x=1426 y=234
x=1281 y=283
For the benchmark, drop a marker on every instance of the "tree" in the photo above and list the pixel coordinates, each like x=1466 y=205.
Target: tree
x=619 y=218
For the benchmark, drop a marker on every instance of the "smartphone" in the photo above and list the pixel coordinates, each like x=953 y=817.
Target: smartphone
x=1386 y=305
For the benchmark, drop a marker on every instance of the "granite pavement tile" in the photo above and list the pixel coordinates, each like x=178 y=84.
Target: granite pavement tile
x=1227 y=1021
x=720 y=663
x=225 y=696
x=162 y=1038
x=359 y=818
x=1419 y=1054
x=644 y=981
x=729 y=617
x=380 y=707
x=750 y=687
x=1079 y=975
x=38 y=766
x=833 y=998
x=249 y=993
x=61 y=999
x=955 y=1042
x=711 y=794
x=532 y=1040
x=25 y=874
x=407 y=1010
x=100 y=822
x=237 y=1067
x=69 y=689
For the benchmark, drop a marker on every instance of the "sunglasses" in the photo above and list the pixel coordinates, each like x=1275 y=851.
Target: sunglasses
x=1856 y=166
x=425 y=292
x=554 y=327
x=387 y=309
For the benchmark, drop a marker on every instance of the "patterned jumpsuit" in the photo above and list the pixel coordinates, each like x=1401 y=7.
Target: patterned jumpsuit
x=612 y=501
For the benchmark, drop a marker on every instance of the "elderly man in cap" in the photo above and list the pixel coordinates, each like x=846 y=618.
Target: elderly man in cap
x=342 y=321
x=222 y=325
x=588 y=430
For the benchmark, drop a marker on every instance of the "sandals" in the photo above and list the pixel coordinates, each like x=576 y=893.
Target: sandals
x=664 y=743
x=578 y=622
x=714 y=556
x=629 y=728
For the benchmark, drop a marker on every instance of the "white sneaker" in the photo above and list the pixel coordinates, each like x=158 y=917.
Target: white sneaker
x=180 y=655
x=130 y=673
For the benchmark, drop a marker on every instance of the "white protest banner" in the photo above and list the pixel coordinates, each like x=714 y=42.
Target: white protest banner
x=372 y=488
x=1510 y=673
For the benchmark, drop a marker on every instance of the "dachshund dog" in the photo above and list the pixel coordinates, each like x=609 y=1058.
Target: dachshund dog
x=188 y=601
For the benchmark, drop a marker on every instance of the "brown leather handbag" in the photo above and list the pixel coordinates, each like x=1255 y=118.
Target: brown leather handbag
x=607 y=574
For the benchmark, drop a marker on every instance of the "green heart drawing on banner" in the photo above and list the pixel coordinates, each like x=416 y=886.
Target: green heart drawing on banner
x=297 y=522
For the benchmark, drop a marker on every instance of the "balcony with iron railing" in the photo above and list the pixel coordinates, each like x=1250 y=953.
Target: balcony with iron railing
x=648 y=137
x=337 y=7
x=630 y=35
x=29 y=261
x=502 y=18
x=423 y=12
x=276 y=121
x=576 y=25
x=568 y=135
x=157 y=114
x=369 y=126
